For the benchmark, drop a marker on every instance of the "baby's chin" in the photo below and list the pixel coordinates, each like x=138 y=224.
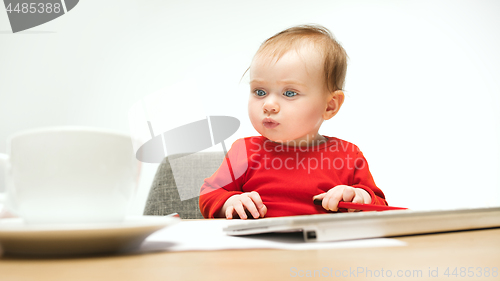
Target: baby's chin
x=288 y=140
x=276 y=139
x=275 y=136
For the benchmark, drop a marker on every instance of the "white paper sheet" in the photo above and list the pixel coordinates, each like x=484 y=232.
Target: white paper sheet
x=208 y=235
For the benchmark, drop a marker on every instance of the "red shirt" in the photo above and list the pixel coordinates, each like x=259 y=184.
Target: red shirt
x=287 y=177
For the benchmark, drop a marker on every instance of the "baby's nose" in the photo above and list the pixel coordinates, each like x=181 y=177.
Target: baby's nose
x=271 y=106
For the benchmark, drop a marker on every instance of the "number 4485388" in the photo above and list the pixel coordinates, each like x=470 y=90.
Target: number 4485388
x=33 y=8
x=471 y=272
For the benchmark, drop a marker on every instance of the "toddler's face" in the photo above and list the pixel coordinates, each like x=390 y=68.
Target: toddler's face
x=288 y=98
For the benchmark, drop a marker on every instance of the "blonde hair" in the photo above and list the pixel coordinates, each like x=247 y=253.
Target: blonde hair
x=335 y=57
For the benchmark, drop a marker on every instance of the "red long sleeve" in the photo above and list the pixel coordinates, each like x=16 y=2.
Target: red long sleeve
x=285 y=177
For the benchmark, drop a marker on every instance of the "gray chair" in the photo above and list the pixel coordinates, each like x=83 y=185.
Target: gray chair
x=190 y=171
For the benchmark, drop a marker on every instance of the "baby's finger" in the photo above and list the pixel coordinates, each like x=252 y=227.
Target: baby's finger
x=356 y=199
x=318 y=199
x=250 y=206
x=319 y=196
x=348 y=194
x=331 y=202
x=367 y=199
x=262 y=209
x=229 y=212
x=256 y=199
x=240 y=210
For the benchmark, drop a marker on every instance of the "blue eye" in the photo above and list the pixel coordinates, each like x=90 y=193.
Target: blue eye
x=290 y=94
x=260 y=93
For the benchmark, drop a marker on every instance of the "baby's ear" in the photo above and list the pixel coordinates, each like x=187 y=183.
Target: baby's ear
x=334 y=102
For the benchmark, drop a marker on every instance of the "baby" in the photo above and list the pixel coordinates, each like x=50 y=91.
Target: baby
x=296 y=82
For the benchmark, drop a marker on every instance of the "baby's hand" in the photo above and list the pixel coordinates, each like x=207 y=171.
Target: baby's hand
x=344 y=193
x=239 y=205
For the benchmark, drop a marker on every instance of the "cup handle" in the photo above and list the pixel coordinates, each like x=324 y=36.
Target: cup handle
x=4 y=159
x=5 y=211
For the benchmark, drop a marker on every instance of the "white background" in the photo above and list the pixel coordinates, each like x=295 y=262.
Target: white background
x=423 y=90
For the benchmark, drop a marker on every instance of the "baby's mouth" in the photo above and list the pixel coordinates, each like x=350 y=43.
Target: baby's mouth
x=269 y=123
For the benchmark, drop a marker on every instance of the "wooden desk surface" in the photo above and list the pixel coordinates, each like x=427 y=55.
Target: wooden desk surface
x=469 y=252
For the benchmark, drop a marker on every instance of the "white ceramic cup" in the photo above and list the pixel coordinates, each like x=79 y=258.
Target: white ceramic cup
x=70 y=175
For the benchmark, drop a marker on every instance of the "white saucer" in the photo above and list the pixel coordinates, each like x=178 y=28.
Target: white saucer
x=19 y=238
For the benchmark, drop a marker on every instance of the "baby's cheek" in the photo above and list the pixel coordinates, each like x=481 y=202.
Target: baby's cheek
x=311 y=115
x=253 y=116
